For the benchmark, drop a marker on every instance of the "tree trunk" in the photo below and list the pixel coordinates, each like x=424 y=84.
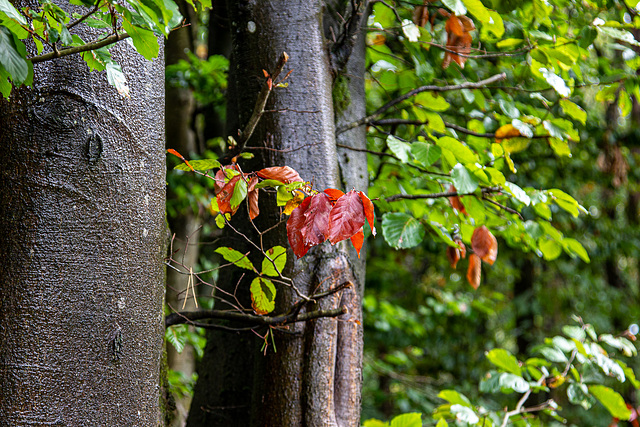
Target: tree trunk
x=82 y=239
x=314 y=378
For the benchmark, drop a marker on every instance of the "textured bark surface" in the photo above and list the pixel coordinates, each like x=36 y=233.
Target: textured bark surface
x=314 y=377
x=82 y=239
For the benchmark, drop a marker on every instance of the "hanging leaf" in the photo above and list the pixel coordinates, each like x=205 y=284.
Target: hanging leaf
x=199 y=165
x=294 y=225
x=474 y=271
x=484 y=244
x=252 y=198
x=455 y=201
x=401 y=230
x=346 y=218
x=225 y=195
x=357 y=240
x=235 y=257
x=506 y=131
x=315 y=229
x=278 y=255
x=458 y=40
x=283 y=174
x=611 y=400
x=263 y=295
x=453 y=255
x=368 y=211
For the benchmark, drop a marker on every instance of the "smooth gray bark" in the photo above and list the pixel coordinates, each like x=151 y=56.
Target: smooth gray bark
x=314 y=377
x=82 y=239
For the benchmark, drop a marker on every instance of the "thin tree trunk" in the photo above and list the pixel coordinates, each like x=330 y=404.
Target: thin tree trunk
x=82 y=239
x=314 y=377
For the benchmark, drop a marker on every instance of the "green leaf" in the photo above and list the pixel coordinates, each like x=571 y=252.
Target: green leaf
x=506 y=43
x=560 y=147
x=373 y=422
x=456 y=6
x=618 y=33
x=509 y=108
x=5 y=85
x=14 y=63
x=573 y=110
x=455 y=398
x=552 y=354
x=116 y=78
x=578 y=394
x=424 y=153
x=550 y=248
x=556 y=82
x=493 y=29
x=239 y=193
x=401 y=230
x=432 y=101
x=413 y=419
x=505 y=360
x=518 y=193
x=145 y=41
x=611 y=400
x=263 y=295
x=175 y=337
x=478 y=10
x=574 y=247
x=278 y=255
x=464 y=414
x=199 y=165
x=461 y=152
x=269 y=183
x=235 y=257
x=513 y=382
x=400 y=148
x=12 y=12
x=463 y=180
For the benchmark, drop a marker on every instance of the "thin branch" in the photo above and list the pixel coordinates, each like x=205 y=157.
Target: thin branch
x=261 y=102
x=85 y=16
x=518 y=52
x=503 y=207
x=393 y=102
x=438 y=195
x=188 y=317
x=393 y=156
x=79 y=49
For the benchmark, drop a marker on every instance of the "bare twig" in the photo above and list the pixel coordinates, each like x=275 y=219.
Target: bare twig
x=438 y=195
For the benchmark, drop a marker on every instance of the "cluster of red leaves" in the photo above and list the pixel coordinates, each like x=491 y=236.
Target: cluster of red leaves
x=485 y=248
x=331 y=215
x=224 y=190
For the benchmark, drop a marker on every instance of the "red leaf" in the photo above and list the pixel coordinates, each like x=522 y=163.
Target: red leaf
x=224 y=196
x=316 y=223
x=456 y=203
x=252 y=197
x=458 y=40
x=367 y=204
x=473 y=273
x=484 y=244
x=221 y=177
x=347 y=217
x=294 y=225
x=357 y=240
x=333 y=194
x=453 y=255
x=280 y=173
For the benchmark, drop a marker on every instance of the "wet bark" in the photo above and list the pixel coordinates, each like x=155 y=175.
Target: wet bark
x=314 y=377
x=82 y=239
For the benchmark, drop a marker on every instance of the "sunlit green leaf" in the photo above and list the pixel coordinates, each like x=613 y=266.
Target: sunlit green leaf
x=401 y=230
x=611 y=400
x=235 y=257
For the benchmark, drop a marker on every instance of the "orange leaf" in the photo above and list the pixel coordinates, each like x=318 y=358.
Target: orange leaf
x=473 y=273
x=458 y=40
x=378 y=40
x=453 y=255
x=357 y=240
x=484 y=244
x=280 y=173
x=175 y=153
x=225 y=194
x=456 y=203
x=463 y=248
x=368 y=211
x=505 y=132
x=421 y=16
x=252 y=198
x=333 y=194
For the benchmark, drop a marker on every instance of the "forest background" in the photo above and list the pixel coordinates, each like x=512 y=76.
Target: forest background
x=543 y=155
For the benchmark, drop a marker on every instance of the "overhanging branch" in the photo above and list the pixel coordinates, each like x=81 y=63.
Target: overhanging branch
x=79 y=49
x=411 y=93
